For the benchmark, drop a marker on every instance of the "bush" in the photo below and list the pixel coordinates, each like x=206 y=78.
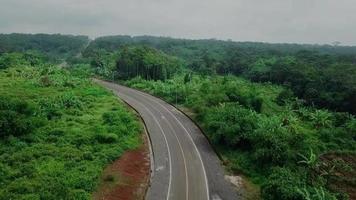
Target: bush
x=116 y=118
x=45 y=81
x=319 y=193
x=321 y=118
x=230 y=124
x=64 y=158
x=275 y=144
x=284 y=97
x=248 y=99
x=70 y=100
x=106 y=138
x=282 y=184
x=17 y=117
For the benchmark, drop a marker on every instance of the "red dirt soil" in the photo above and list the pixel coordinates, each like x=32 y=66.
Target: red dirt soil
x=128 y=177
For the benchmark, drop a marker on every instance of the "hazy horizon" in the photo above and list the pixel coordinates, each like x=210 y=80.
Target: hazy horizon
x=276 y=21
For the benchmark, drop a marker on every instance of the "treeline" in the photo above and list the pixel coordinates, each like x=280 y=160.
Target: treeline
x=322 y=75
x=320 y=80
x=134 y=61
x=56 y=46
x=146 y=62
x=187 y=47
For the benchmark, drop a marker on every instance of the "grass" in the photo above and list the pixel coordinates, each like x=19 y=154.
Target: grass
x=84 y=128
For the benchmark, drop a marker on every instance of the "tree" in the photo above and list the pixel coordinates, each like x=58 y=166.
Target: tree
x=146 y=62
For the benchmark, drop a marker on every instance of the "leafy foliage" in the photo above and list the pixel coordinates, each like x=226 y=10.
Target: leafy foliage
x=58 y=133
x=276 y=143
x=147 y=63
x=54 y=46
x=275 y=123
x=322 y=75
x=17 y=117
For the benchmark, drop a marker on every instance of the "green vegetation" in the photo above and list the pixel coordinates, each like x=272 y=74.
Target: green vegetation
x=279 y=147
x=58 y=131
x=281 y=114
x=145 y=62
x=278 y=122
x=322 y=75
x=55 y=47
x=130 y=62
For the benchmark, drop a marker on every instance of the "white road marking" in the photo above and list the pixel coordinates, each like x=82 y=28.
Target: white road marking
x=181 y=149
x=169 y=152
x=180 y=123
x=196 y=148
x=159 y=168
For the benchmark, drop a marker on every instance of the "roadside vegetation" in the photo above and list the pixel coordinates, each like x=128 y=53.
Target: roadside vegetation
x=58 y=130
x=281 y=147
x=280 y=114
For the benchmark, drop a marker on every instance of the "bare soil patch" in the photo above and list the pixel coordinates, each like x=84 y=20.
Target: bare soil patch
x=128 y=177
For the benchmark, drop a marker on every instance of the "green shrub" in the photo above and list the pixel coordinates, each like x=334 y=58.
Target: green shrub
x=318 y=193
x=52 y=107
x=231 y=124
x=275 y=144
x=282 y=184
x=45 y=81
x=285 y=96
x=321 y=118
x=70 y=100
x=111 y=118
x=17 y=117
x=248 y=99
x=107 y=138
x=61 y=158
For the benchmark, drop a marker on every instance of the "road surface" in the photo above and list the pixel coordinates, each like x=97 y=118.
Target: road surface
x=185 y=167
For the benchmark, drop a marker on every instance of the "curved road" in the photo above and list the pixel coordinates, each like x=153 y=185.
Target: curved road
x=185 y=165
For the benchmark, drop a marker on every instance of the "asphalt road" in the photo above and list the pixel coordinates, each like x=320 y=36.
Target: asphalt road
x=185 y=167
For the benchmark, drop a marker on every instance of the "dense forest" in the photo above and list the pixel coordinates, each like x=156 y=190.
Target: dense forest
x=322 y=75
x=282 y=114
x=55 y=47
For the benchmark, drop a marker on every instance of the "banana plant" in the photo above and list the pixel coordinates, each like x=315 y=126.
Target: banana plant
x=310 y=161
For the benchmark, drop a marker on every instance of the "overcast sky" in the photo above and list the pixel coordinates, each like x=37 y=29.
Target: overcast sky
x=300 y=21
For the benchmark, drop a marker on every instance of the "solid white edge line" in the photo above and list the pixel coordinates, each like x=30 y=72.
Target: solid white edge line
x=196 y=148
x=165 y=138
x=181 y=149
x=169 y=152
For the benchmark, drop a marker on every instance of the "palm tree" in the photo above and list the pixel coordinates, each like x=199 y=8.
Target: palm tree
x=321 y=118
